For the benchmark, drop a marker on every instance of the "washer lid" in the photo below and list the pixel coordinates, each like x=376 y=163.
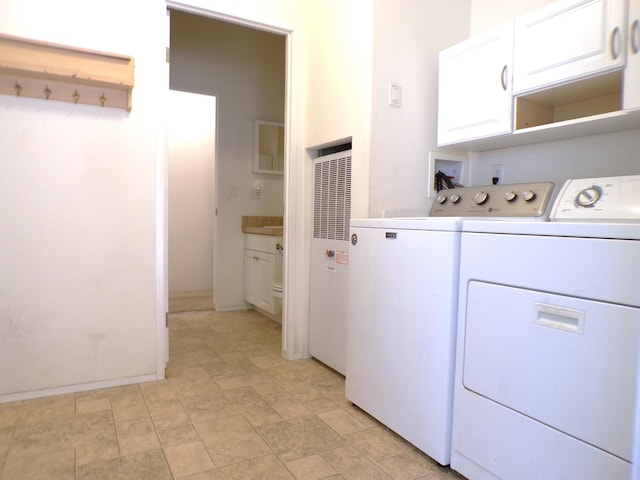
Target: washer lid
x=607 y=199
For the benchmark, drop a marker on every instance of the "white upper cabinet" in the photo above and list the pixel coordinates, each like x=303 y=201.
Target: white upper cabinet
x=474 y=98
x=568 y=40
x=632 y=72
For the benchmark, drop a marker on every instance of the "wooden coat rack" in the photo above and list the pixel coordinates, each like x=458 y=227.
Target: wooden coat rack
x=30 y=68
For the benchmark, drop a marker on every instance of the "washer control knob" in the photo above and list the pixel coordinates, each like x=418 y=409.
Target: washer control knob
x=481 y=198
x=442 y=199
x=529 y=196
x=510 y=196
x=455 y=198
x=588 y=197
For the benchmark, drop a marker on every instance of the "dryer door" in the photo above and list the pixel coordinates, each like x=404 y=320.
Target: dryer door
x=569 y=363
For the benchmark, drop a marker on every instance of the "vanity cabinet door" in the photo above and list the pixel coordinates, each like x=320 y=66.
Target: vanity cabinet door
x=259 y=275
x=568 y=40
x=474 y=98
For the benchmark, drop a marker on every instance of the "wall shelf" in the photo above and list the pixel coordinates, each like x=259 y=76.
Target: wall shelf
x=34 y=69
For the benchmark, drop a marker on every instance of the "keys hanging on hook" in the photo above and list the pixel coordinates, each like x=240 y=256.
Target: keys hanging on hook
x=76 y=96
x=18 y=88
x=102 y=99
x=47 y=92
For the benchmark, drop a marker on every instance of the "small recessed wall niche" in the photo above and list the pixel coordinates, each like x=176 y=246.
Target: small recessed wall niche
x=34 y=69
x=453 y=165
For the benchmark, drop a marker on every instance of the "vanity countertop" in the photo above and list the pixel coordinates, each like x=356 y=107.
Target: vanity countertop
x=262 y=225
x=275 y=231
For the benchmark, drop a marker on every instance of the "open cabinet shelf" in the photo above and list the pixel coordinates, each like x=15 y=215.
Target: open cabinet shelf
x=587 y=97
x=29 y=68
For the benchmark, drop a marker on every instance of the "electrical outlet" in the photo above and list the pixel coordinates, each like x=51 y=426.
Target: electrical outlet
x=496 y=174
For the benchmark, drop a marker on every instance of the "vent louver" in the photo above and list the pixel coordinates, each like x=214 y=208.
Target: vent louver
x=332 y=197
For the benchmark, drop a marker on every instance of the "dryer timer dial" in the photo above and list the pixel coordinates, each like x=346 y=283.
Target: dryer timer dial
x=588 y=196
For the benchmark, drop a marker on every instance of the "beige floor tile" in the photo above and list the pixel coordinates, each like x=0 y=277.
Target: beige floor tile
x=342 y=421
x=178 y=435
x=5 y=439
x=143 y=466
x=96 y=452
x=168 y=414
x=48 y=408
x=300 y=437
x=263 y=416
x=311 y=468
x=292 y=410
x=128 y=407
x=229 y=383
x=135 y=426
x=92 y=405
x=38 y=438
x=320 y=405
x=352 y=465
x=10 y=414
x=402 y=467
x=93 y=427
x=145 y=442
x=378 y=443
x=231 y=439
x=56 y=464
x=188 y=459
x=262 y=468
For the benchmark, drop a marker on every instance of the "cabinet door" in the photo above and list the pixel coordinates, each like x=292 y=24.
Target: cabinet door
x=259 y=275
x=632 y=72
x=474 y=98
x=568 y=40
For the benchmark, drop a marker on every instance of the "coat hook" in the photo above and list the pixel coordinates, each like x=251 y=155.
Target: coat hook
x=76 y=96
x=18 y=88
x=47 y=92
x=102 y=99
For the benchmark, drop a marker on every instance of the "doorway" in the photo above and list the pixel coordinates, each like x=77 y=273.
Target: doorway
x=191 y=127
x=245 y=69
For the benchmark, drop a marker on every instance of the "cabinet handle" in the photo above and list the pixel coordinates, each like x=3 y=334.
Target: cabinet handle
x=634 y=36
x=615 y=43
x=503 y=78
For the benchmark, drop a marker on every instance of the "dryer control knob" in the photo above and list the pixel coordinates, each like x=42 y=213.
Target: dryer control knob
x=442 y=199
x=455 y=198
x=588 y=197
x=529 y=196
x=481 y=198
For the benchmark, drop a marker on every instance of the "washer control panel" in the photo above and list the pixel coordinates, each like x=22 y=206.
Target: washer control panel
x=517 y=200
x=607 y=199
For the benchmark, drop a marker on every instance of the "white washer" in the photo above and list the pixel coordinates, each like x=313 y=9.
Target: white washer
x=403 y=277
x=549 y=340
x=402 y=310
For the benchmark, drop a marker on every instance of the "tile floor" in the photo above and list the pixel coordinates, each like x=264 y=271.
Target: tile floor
x=230 y=408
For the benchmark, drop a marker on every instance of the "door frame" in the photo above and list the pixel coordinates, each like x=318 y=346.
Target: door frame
x=294 y=334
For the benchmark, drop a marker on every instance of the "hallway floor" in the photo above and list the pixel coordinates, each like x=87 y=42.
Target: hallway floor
x=230 y=408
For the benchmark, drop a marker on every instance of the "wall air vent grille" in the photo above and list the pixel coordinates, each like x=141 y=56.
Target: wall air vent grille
x=332 y=196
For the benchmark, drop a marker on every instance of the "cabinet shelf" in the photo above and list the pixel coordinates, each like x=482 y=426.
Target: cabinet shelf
x=584 y=98
x=29 y=68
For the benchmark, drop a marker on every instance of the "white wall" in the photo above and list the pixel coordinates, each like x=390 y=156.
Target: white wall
x=406 y=43
x=191 y=127
x=245 y=69
x=592 y=156
x=486 y=14
x=339 y=82
x=77 y=208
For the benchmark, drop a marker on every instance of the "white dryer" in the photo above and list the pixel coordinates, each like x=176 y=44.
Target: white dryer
x=548 y=343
